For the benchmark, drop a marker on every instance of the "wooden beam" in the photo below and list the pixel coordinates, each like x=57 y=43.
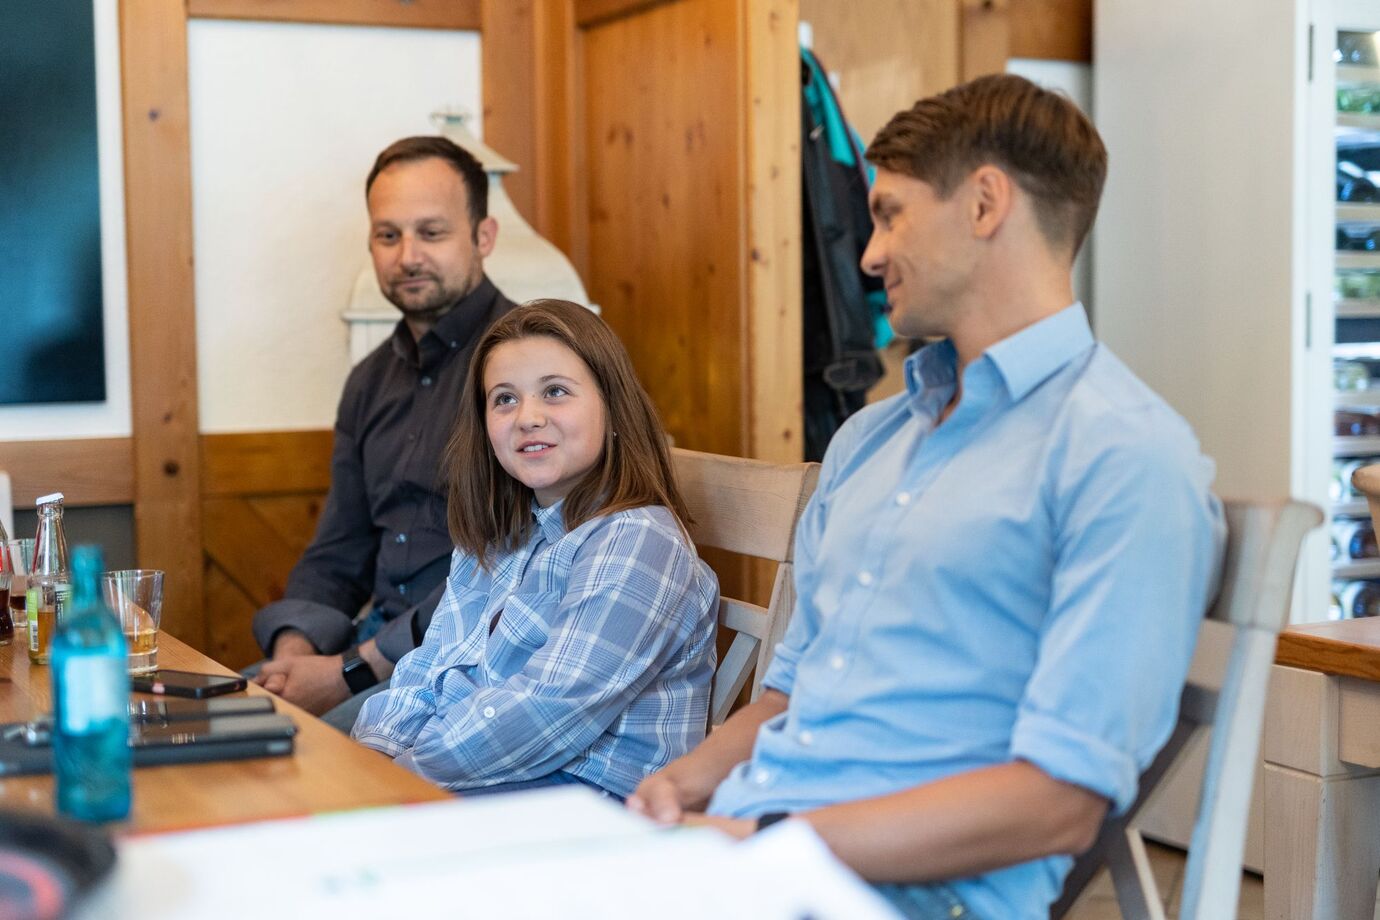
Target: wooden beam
x=771 y=126
x=265 y=463
x=87 y=471
x=413 y=14
x=593 y=12
x=984 y=37
x=162 y=315
x=529 y=109
x=1055 y=30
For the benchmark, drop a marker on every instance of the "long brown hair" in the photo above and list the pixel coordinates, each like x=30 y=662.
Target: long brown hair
x=487 y=508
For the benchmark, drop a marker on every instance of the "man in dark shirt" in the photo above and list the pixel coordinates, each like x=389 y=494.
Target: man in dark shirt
x=382 y=536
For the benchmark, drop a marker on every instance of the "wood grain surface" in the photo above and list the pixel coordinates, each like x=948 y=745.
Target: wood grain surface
x=1350 y=648
x=328 y=771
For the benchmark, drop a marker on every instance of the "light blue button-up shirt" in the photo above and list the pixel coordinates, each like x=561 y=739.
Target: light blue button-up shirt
x=1023 y=582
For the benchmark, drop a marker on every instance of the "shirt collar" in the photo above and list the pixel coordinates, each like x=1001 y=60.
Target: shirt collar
x=453 y=331
x=1024 y=360
x=550 y=521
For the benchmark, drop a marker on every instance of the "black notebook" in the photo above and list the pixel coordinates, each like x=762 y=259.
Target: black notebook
x=187 y=740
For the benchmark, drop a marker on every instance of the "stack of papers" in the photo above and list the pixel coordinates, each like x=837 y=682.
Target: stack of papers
x=550 y=853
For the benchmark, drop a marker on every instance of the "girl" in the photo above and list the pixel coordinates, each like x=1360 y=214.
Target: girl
x=575 y=640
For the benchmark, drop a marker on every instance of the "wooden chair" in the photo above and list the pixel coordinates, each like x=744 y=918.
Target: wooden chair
x=1263 y=540
x=748 y=507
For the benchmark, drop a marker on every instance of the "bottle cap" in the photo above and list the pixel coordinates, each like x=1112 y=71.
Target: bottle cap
x=49 y=499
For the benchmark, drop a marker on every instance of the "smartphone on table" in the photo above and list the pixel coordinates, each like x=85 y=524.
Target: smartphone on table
x=186 y=683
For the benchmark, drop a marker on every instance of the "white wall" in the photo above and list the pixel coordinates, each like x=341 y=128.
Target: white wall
x=110 y=418
x=286 y=120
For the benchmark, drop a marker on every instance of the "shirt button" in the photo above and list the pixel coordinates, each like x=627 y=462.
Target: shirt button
x=865 y=579
x=402 y=589
x=903 y=498
x=454 y=344
x=488 y=712
x=806 y=738
x=400 y=538
x=426 y=381
x=761 y=777
x=837 y=662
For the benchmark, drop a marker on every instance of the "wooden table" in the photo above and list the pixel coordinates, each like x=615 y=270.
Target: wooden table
x=327 y=772
x=1322 y=773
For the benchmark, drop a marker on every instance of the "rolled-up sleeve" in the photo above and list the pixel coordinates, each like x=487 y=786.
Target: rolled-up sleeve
x=390 y=720
x=1138 y=548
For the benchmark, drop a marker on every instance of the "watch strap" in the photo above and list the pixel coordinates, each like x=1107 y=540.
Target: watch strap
x=772 y=817
x=356 y=671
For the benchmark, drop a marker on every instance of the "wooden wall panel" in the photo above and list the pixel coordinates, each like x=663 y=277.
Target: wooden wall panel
x=162 y=315
x=266 y=463
x=530 y=111
x=772 y=126
x=596 y=12
x=416 y=14
x=984 y=37
x=887 y=53
x=1056 y=30
x=263 y=492
x=87 y=471
x=665 y=159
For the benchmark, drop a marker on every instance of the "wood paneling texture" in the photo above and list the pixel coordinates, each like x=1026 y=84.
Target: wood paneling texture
x=530 y=111
x=776 y=406
x=984 y=37
x=665 y=159
x=887 y=53
x=417 y=14
x=1056 y=30
x=263 y=493
x=87 y=471
x=266 y=462
x=162 y=315
x=595 y=12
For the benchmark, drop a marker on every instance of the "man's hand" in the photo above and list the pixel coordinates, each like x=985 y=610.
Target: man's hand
x=737 y=828
x=661 y=799
x=311 y=681
x=290 y=643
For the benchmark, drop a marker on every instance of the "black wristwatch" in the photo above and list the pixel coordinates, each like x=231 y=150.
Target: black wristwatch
x=770 y=818
x=356 y=671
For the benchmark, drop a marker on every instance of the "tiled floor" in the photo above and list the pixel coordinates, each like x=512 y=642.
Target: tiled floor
x=1099 y=901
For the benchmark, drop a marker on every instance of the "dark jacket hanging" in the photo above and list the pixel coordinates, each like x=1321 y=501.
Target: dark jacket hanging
x=840 y=359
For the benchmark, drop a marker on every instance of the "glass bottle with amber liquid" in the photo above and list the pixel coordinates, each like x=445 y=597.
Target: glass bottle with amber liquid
x=50 y=581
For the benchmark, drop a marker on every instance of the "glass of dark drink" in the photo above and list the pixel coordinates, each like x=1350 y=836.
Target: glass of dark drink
x=6 y=577
x=21 y=558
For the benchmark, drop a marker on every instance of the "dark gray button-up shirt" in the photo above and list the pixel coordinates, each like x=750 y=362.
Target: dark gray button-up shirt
x=383 y=533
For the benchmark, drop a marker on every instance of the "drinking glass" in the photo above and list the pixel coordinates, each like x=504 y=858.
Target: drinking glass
x=21 y=557
x=136 y=596
x=6 y=578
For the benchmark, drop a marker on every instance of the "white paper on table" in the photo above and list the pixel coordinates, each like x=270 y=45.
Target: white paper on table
x=552 y=853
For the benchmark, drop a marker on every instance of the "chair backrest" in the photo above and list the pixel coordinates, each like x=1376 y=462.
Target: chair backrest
x=1263 y=541
x=749 y=507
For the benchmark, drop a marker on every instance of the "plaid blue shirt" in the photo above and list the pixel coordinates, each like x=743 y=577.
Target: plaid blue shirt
x=599 y=664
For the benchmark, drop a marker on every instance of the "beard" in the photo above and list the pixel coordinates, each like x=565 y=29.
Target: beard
x=430 y=302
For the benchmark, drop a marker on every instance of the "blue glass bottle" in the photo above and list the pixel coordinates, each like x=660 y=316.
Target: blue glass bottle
x=91 y=759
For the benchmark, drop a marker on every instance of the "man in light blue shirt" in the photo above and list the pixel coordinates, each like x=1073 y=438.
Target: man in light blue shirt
x=1001 y=576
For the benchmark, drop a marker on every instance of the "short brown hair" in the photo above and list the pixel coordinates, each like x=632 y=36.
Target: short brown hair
x=427 y=146
x=1038 y=137
x=487 y=508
